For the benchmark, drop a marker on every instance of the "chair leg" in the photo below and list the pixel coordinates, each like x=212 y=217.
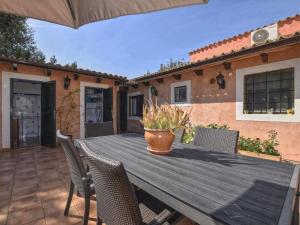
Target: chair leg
x=99 y=221
x=71 y=191
x=86 y=210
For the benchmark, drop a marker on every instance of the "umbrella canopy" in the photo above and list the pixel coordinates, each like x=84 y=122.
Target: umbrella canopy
x=75 y=13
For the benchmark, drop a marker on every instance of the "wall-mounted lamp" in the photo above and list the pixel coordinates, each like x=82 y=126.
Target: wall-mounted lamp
x=48 y=72
x=15 y=67
x=67 y=82
x=221 y=81
x=153 y=91
x=76 y=76
x=264 y=57
x=98 y=80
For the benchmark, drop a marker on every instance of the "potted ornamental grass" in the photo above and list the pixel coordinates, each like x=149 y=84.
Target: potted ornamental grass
x=160 y=124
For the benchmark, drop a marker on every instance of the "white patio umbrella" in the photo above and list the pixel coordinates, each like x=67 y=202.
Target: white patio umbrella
x=75 y=13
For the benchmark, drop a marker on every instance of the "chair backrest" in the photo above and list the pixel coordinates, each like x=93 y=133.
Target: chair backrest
x=179 y=135
x=217 y=139
x=116 y=201
x=76 y=167
x=99 y=129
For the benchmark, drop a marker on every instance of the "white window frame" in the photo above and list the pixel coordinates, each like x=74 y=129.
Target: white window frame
x=186 y=83
x=128 y=109
x=241 y=73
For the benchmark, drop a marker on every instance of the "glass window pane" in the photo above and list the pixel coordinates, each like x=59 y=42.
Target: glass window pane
x=274 y=97
x=274 y=75
x=287 y=85
x=93 y=105
x=260 y=86
x=287 y=74
x=180 y=94
x=261 y=77
x=270 y=92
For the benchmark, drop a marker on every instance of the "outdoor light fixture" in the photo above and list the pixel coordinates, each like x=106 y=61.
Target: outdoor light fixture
x=48 y=72
x=221 y=81
x=67 y=82
x=153 y=91
x=76 y=76
x=15 y=66
x=98 y=80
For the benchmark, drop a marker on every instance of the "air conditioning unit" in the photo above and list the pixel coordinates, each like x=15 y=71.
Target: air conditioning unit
x=261 y=36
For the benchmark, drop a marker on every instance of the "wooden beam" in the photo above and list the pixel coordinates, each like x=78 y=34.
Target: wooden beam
x=117 y=83
x=146 y=83
x=135 y=86
x=177 y=76
x=98 y=79
x=264 y=57
x=198 y=72
x=227 y=65
x=160 y=80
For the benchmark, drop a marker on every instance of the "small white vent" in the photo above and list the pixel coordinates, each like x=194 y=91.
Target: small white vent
x=261 y=36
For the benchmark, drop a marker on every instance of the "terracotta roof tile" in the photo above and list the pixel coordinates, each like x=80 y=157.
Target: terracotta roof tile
x=237 y=36
x=65 y=68
x=295 y=36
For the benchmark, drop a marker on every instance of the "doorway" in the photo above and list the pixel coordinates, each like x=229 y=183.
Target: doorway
x=32 y=120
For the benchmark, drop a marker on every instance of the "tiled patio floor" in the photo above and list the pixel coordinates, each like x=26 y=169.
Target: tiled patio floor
x=34 y=187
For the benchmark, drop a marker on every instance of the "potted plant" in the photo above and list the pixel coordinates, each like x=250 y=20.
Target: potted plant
x=160 y=123
x=67 y=112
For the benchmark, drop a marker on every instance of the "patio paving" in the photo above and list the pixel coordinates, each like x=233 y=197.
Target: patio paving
x=34 y=184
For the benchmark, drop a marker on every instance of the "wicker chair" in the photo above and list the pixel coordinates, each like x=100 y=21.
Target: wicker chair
x=80 y=180
x=117 y=203
x=179 y=135
x=216 y=139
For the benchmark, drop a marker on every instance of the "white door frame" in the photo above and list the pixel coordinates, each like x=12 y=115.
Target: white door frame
x=6 y=104
x=83 y=85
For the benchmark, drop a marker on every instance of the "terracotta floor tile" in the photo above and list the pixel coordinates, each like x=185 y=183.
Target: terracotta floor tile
x=93 y=208
x=72 y=219
x=38 y=222
x=55 y=206
x=28 y=201
x=3 y=218
x=25 y=215
x=20 y=192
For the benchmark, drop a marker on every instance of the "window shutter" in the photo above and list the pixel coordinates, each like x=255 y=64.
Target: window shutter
x=107 y=104
x=140 y=104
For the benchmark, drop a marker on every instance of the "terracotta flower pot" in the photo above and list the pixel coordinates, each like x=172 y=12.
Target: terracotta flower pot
x=159 y=141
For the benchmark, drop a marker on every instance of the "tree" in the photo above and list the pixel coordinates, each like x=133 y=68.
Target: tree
x=17 y=39
x=53 y=60
x=72 y=65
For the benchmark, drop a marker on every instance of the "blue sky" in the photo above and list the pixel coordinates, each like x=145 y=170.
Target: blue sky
x=132 y=45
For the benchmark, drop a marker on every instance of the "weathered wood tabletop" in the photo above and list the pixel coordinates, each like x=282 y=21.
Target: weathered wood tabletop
x=207 y=187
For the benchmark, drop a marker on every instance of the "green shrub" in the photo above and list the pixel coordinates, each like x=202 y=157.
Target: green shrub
x=267 y=146
x=216 y=126
x=188 y=137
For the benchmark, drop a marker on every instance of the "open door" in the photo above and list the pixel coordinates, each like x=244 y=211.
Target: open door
x=122 y=110
x=107 y=104
x=48 y=123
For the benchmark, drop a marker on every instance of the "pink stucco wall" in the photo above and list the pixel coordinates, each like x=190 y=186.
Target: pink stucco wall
x=213 y=105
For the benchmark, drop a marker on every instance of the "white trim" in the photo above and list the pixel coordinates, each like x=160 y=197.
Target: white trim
x=83 y=85
x=6 y=76
x=130 y=95
x=186 y=83
x=240 y=73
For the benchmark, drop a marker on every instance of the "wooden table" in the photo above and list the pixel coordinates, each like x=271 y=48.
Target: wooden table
x=207 y=187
